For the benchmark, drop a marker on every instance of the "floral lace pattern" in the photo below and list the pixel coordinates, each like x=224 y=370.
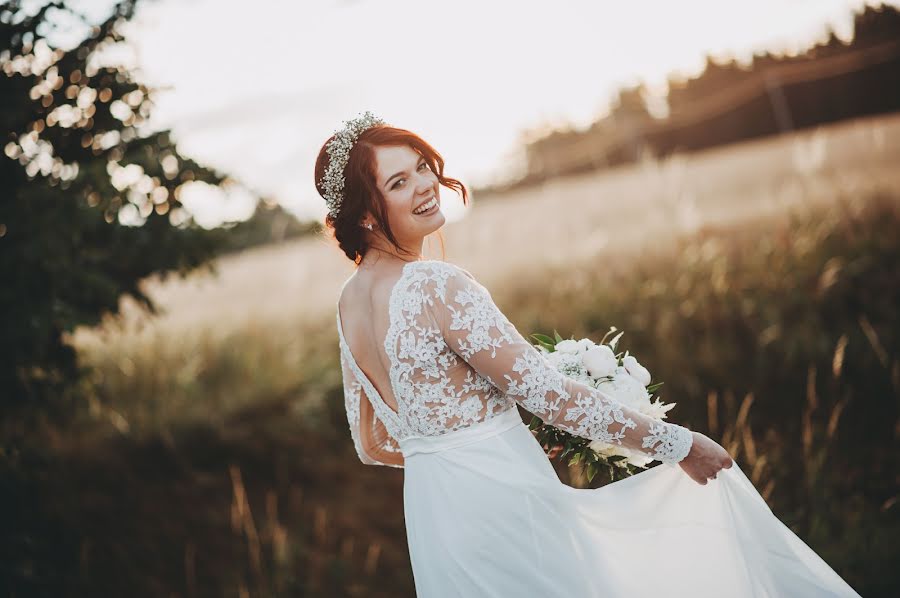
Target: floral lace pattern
x=457 y=360
x=352 y=396
x=673 y=444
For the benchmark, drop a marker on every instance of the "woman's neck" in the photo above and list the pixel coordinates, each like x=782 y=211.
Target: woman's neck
x=380 y=253
x=378 y=258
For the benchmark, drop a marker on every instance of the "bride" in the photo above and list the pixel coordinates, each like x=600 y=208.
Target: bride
x=433 y=372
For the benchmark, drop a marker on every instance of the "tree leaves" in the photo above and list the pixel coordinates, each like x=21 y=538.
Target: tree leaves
x=65 y=258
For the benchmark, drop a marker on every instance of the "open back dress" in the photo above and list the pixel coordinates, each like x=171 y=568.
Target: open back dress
x=486 y=514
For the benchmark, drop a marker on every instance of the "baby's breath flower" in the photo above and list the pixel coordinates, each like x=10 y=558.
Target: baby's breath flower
x=339 y=154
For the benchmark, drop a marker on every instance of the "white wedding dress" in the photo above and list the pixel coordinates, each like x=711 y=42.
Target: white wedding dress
x=486 y=514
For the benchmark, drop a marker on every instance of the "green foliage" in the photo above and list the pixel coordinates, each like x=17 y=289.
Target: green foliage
x=72 y=125
x=545 y=341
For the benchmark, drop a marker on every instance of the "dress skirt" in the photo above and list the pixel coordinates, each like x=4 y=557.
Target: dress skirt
x=487 y=516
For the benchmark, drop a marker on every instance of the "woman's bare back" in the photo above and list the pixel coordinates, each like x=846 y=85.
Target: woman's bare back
x=365 y=319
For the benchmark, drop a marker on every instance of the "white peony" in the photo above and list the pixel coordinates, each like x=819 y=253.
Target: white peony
x=554 y=358
x=610 y=450
x=640 y=373
x=567 y=346
x=585 y=345
x=600 y=361
x=596 y=365
x=628 y=391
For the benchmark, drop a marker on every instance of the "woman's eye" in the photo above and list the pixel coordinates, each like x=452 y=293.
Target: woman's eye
x=401 y=180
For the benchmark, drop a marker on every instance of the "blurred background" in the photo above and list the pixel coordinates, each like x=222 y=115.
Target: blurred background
x=720 y=180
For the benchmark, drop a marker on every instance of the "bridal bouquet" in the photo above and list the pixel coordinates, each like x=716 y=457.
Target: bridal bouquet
x=616 y=374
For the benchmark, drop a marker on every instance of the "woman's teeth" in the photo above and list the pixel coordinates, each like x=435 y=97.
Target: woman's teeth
x=427 y=207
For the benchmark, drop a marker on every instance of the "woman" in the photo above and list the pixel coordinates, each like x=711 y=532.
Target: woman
x=432 y=374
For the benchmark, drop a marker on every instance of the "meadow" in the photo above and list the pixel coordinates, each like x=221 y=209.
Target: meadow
x=760 y=282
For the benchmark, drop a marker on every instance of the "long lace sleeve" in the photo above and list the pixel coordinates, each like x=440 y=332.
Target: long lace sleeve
x=475 y=328
x=374 y=445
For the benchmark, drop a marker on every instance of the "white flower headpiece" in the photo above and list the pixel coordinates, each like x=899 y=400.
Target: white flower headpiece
x=339 y=153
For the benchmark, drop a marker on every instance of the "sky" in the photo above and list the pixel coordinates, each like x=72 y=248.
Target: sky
x=255 y=89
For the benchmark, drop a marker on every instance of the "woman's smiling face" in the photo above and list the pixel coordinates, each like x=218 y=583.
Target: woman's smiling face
x=406 y=182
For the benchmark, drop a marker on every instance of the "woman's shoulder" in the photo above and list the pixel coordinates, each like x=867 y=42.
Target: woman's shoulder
x=443 y=267
x=441 y=280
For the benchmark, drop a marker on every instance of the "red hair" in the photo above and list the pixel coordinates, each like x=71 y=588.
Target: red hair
x=361 y=193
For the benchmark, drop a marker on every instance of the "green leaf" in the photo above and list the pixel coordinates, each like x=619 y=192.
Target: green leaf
x=591 y=471
x=615 y=458
x=556 y=335
x=543 y=337
x=652 y=388
x=575 y=459
x=535 y=423
x=545 y=341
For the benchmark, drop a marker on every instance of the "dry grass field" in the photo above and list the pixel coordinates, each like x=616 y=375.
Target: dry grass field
x=760 y=282
x=574 y=218
x=278 y=294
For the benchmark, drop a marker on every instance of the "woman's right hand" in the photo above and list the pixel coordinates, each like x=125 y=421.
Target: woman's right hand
x=705 y=459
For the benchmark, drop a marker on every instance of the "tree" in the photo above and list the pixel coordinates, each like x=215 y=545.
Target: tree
x=89 y=201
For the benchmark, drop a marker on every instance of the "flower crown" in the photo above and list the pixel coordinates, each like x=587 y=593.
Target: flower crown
x=339 y=153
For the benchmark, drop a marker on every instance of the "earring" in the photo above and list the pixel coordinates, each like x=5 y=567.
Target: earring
x=368 y=225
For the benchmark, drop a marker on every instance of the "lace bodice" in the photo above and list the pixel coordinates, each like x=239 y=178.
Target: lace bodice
x=455 y=359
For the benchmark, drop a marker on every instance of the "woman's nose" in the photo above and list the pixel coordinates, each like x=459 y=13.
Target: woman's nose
x=426 y=185
x=426 y=181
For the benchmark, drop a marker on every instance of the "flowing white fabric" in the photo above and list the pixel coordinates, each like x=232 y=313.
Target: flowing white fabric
x=486 y=514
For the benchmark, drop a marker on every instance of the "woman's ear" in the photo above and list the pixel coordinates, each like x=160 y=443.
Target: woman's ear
x=368 y=221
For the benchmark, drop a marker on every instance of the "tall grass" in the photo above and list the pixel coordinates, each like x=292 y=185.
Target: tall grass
x=222 y=466
x=780 y=339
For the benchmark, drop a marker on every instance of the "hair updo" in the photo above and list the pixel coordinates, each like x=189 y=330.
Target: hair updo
x=361 y=193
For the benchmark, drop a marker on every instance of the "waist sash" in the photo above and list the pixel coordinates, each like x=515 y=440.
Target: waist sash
x=477 y=431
